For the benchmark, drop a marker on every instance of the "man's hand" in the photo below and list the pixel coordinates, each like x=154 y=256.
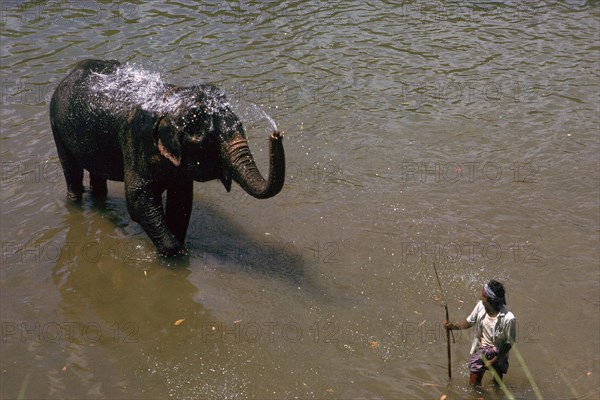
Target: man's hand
x=456 y=327
x=489 y=363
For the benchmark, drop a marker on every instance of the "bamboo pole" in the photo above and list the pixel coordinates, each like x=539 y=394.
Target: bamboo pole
x=447 y=319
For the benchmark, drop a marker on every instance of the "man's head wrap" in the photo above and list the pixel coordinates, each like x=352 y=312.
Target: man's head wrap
x=495 y=292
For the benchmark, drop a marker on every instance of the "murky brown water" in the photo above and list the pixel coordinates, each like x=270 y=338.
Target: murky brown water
x=464 y=134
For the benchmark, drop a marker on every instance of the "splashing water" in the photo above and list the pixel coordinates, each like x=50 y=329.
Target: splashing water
x=254 y=113
x=271 y=121
x=129 y=85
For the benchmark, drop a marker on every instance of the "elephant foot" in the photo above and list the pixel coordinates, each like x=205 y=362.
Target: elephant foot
x=174 y=252
x=75 y=193
x=169 y=247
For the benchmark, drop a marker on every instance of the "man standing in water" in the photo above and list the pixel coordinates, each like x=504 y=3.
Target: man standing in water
x=495 y=333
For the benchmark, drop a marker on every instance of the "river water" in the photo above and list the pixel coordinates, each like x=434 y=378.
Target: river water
x=464 y=134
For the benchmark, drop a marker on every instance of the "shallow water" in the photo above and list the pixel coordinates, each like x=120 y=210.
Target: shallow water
x=464 y=134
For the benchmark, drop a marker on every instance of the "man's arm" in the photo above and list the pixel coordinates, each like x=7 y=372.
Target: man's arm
x=468 y=322
x=456 y=327
x=505 y=349
x=508 y=343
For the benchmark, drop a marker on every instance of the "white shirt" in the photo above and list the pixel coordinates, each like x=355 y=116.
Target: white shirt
x=504 y=330
x=487 y=330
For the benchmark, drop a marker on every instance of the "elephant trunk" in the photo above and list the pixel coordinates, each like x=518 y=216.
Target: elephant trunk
x=245 y=172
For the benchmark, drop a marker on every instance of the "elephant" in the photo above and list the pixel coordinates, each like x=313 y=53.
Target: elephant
x=125 y=124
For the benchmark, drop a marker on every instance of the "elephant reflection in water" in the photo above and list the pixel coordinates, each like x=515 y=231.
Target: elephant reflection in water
x=124 y=124
x=118 y=321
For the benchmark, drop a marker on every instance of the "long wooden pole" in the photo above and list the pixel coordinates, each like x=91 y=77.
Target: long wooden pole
x=447 y=319
x=448 y=345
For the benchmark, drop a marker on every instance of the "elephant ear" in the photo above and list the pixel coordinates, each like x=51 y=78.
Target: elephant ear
x=168 y=140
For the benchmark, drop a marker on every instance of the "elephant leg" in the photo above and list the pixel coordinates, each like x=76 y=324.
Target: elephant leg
x=179 y=208
x=72 y=169
x=98 y=186
x=145 y=207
